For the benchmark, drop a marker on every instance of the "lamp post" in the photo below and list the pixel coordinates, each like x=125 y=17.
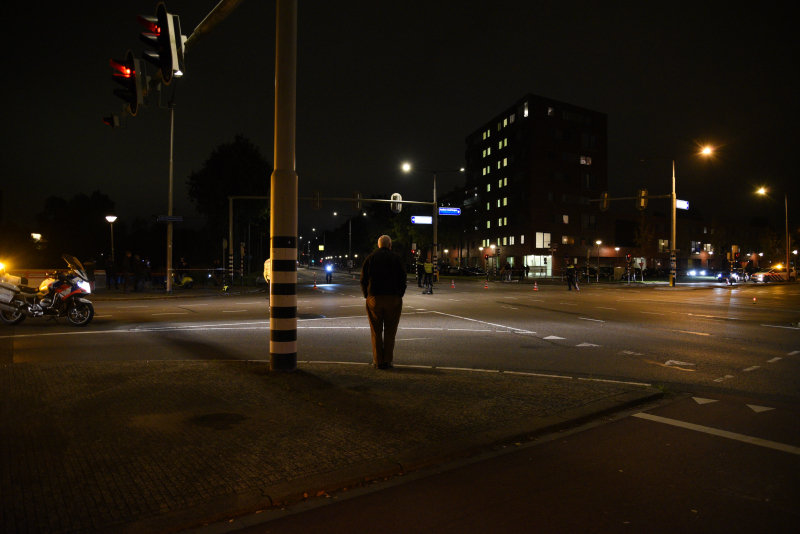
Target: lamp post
x=111 y=219
x=707 y=151
x=407 y=168
x=763 y=191
x=598 y=243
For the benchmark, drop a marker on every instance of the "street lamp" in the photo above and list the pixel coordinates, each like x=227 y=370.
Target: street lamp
x=111 y=219
x=598 y=243
x=706 y=151
x=407 y=168
x=763 y=191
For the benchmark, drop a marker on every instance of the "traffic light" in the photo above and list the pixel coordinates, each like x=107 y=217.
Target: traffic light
x=129 y=75
x=628 y=258
x=604 y=203
x=396 y=207
x=161 y=36
x=413 y=248
x=356 y=204
x=641 y=202
x=485 y=256
x=316 y=203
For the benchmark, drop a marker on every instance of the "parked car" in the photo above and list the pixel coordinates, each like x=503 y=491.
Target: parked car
x=733 y=276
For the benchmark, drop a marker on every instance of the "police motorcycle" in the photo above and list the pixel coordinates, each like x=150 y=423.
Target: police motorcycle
x=61 y=294
x=182 y=280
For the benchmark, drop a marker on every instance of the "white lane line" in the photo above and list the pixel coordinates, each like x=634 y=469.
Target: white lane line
x=413 y=366
x=509 y=307
x=535 y=374
x=687 y=332
x=233 y=311
x=614 y=381
x=603 y=308
x=471 y=330
x=418 y=328
x=721 y=433
x=713 y=316
x=171 y=313
x=794 y=352
x=126 y=307
x=652 y=313
x=192 y=305
x=723 y=378
x=553 y=337
x=468 y=369
x=455 y=300
x=751 y=368
x=477 y=321
x=568 y=303
x=588 y=345
x=776 y=326
x=773 y=360
x=413 y=338
x=587 y=319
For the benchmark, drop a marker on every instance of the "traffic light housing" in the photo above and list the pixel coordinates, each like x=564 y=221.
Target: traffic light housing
x=628 y=258
x=396 y=207
x=356 y=204
x=485 y=256
x=163 y=38
x=129 y=75
x=641 y=202
x=604 y=201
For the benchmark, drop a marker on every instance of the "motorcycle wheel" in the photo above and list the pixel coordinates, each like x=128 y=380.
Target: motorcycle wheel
x=11 y=318
x=80 y=313
x=188 y=285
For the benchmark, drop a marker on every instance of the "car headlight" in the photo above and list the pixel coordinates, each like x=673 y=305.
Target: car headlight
x=702 y=273
x=692 y=273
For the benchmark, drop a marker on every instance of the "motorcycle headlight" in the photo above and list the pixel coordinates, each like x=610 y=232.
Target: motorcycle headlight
x=85 y=286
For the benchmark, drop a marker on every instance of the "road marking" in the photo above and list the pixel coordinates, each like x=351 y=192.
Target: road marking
x=171 y=313
x=468 y=369
x=588 y=345
x=698 y=400
x=630 y=352
x=568 y=303
x=602 y=308
x=721 y=433
x=509 y=307
x=676 y=362
x=773 y=360
x=759 y=409
x=191 y=305
x=776 y=326
x=587 y=319
x=751 y=368
x=413 y=338
x=553 y=337
x=723 y=378
x=652 y=313
x=418 y=328
x=614 y=381
x=455 y=300
x=687 y=332
x=125 y=307
x=477 y=321
x=535 y=374
x=467 y=330
x=713 y=316
x=352 y=306
x=233 y=311
x=793 y=353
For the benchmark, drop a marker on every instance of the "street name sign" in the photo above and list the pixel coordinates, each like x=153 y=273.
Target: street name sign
x=170 y=218
x=421 y=219
x=449 y=211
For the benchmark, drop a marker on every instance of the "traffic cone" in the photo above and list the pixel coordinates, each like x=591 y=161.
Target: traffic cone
x=487 y=285
x=315 y=281
x=452 y=284
x=354 y=277
x=535 y=286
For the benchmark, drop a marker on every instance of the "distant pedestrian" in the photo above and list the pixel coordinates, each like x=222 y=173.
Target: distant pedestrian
x=527 y=270
x=420 y=270
x=111 y=274
x=329 y=273
x=383 y=283
x=571 y=278
x=428 y=282
x=126 y=271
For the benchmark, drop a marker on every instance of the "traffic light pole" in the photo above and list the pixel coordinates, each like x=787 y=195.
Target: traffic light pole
x=169 y=205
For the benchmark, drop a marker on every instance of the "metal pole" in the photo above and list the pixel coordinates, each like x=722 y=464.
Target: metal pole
x=672 y=248
x=283 y=213
x=230 y=238
x=435 y=227
x=169 y=206
x=350 y=241
x=112 y=241
x=788 y=243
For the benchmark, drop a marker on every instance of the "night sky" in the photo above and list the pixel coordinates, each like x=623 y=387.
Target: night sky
x=381 y=82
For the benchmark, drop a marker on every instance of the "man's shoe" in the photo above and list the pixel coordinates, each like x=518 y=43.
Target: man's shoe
x=388 y=365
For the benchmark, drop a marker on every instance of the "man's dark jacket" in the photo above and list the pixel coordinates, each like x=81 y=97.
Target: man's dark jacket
x=383 y=273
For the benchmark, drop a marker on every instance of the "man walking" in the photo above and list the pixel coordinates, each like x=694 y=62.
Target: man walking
x=383 y=283
x=571 y=281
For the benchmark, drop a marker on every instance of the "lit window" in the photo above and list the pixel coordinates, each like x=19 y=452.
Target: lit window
x=550 y=111
x=663 y=245
x=488 y=151
x=525 y=114
x=488 y=187
x=505 y=181
x=488 y=206
x=505 y=141
x=500 y=222
x=511 y=118
x=565 y=218
x=488 y=224
x=484 y=172
x=586 y=160
x=499 y=241
x=484 y=152
x=505 y=221
x=500 y=183
x=705 y=230
x=498 y=164
x=498 y=202
x=511 y=240
x=505 y=122
x=505 y=201
x=505 y=241
x=500 y=145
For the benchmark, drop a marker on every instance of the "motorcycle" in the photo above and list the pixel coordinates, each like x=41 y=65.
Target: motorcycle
x=182 y=280
x=62 y=294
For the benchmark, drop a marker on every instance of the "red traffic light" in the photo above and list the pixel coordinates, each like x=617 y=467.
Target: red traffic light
x=485 y=256
x=128 y=75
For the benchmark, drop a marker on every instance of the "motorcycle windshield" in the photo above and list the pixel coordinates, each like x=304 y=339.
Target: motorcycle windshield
x=76 y=266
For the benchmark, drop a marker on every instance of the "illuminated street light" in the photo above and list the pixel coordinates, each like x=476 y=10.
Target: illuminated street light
x=111 y=219
x=763 y=191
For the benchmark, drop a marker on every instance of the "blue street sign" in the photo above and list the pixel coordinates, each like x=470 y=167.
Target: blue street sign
x=420 y=219
x=449 y=211
x=682 y=204
x=170 y=218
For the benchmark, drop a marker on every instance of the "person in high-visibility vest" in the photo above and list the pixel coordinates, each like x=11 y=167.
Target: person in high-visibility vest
x=428 y=274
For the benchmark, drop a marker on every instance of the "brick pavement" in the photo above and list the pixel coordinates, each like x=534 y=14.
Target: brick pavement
x=153 y=446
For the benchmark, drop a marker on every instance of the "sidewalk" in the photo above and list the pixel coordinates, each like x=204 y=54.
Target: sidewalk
x=103 y=294
x=160 y=446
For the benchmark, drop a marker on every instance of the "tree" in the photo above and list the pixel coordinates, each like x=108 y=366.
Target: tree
x=232 y=169
x=645 y=237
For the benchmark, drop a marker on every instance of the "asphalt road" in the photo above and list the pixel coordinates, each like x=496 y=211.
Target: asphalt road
x=730 y=340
